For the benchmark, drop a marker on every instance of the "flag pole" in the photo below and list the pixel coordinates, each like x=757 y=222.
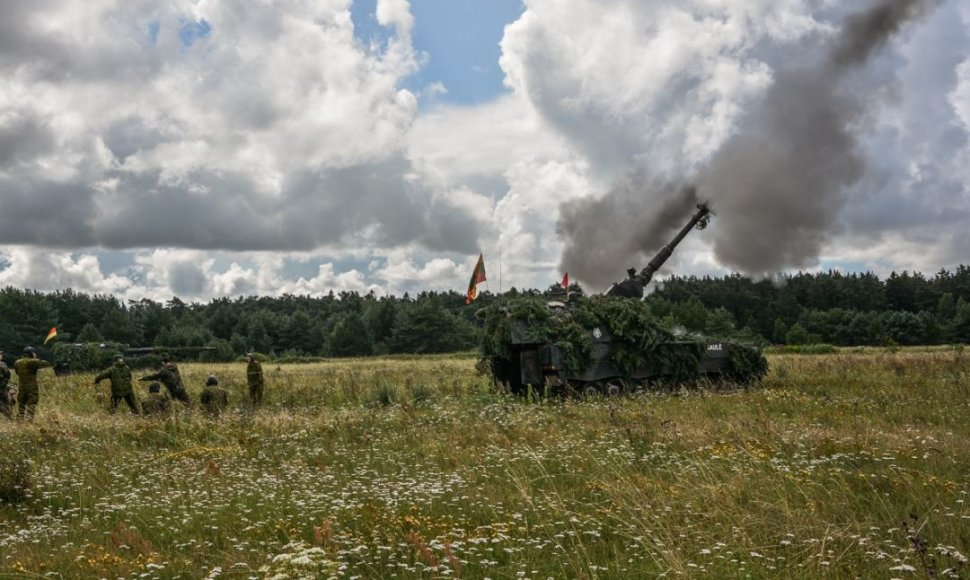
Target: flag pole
x=500 y=270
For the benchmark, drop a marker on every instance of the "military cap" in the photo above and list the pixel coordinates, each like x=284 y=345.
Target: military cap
x=154 y=387
x=29 y=350
x=119 y=356
x=212 y=380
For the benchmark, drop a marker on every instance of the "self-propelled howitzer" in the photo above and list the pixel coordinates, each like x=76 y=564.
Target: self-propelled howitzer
x=607 y=344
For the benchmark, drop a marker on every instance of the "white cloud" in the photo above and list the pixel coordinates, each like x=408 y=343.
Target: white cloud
x=457 y=143
x=960 y=97
x=43 y=270
x=662 y=82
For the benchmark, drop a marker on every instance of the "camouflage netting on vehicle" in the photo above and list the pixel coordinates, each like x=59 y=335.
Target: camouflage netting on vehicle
x=639 y=340
x=748 y=365
x=85 y=356
x=89 y=356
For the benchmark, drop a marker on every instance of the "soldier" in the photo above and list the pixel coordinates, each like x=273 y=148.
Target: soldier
x=214 y=398
x=6 y=403
x=169 y=376
x=632 y=287
x=156 y=404
x=120 y=376
x=254 y=376
x=28 y=395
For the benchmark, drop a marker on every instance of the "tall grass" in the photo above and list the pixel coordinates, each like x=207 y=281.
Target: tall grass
x=843 y=465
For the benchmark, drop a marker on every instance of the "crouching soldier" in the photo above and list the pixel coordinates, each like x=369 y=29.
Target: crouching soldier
x=120 y=376
x=169 y=376
x=6 y=401
x=156 y=404
x=214 y=398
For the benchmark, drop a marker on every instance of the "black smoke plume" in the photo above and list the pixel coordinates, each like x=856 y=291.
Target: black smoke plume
x=778 y=186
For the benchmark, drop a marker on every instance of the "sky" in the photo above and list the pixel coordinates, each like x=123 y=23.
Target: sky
x=208 y=148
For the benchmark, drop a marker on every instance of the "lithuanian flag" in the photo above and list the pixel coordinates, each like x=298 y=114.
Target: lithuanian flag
x=51 y=334
x=478 y=276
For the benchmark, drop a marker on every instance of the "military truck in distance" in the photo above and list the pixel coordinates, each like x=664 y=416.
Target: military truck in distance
x=606 y=344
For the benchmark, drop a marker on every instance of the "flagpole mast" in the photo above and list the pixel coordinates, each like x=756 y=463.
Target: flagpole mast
x=500 y=270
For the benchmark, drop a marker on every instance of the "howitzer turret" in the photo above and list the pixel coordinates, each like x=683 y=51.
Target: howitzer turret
x=633 y=286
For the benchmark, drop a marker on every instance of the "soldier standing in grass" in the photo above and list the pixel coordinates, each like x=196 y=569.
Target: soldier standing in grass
x=254 y=376
x=6 y=404
x=214 y=398
x=170 y=377
x=28 y=395
x=120 y=376
x=156 y=404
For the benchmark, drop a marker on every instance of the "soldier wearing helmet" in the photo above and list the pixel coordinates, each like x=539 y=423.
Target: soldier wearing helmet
x=254 y=378
x=120 y=376
x=156 y=404
x=169 y=376
x=214 y=398
x=28 y=395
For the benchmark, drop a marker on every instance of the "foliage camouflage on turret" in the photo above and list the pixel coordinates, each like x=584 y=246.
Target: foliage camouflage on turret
x=639 y=338
x=748 y=365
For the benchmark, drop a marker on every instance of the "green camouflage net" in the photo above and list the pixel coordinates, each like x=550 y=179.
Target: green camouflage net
x=748 y=365
x=639 y=340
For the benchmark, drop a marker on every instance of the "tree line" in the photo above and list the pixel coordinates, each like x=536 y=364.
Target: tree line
x=827 y=307
x=831 y=307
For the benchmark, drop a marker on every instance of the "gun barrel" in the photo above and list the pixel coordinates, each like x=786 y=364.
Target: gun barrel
x=699 y=217
x=633 y=286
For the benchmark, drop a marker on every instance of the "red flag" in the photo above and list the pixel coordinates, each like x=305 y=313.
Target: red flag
x=51 y=334
x=478 y=276
x=565 y=280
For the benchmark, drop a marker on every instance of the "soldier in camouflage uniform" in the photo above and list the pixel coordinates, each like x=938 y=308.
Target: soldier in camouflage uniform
x=28 y=395
x=156 y=404
x=254 y=376
x=170 y=377
x=214 y=398
x=6 y=403
x=120 y=376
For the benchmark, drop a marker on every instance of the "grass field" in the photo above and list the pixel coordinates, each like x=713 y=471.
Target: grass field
x=854 y=464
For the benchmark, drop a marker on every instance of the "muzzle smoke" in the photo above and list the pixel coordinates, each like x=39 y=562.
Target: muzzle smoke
x=777 y=186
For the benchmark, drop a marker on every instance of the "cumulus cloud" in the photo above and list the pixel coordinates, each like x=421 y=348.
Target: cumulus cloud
x=42 y=270
x=215 y=125
x=663 y=82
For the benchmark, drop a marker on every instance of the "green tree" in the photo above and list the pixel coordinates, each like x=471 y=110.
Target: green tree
x=797 y=334
x=350 y=337
x=720 y=323
x=425 y=328
x=89 y=333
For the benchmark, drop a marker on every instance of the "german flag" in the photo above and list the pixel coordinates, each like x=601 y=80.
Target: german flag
x=478 y=276
x=51 y=334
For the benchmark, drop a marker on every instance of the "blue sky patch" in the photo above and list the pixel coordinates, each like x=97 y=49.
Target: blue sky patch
x=189 y=32
x=461 y=38
x=153 y=28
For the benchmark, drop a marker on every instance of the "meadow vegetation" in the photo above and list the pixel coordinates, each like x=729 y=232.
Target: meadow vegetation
x=844 y=464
